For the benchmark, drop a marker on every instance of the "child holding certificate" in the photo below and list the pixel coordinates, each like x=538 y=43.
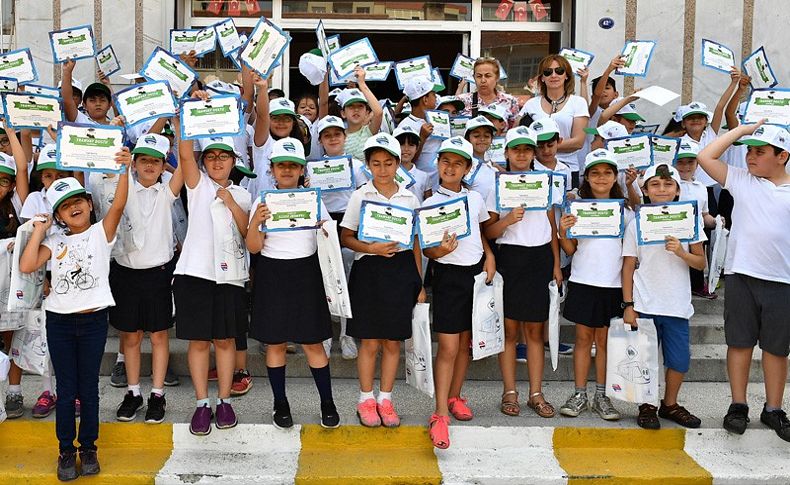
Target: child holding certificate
x=659 y=289
x=362 y=112
x=289 y=304
x=76 y=307
x=210 y=307
x=385 y=284
x=97 y=100
x=409 y=146
x=421 y=97
x=594 y=288
x=548 y=138
x=528 y=259
x=457 y=262
x=758 y=267
x=482 y=176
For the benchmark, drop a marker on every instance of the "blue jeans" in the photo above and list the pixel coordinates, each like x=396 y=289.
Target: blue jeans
x=76 y=345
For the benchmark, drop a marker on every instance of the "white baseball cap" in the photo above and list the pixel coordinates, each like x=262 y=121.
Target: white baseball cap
x=457 y=145
x=417 y=87
x=348 y=96
x=477 y=122
x=520 y=135
x=628 y=111
x=75 y=83
x=223 y=87
x=221 y=143
x=62 y=189
x=385 y=141
x=7 y=165
x=496 y=110
x=651 y=172
x=405 y=129
x=312 y=66
x=328 y=122
x=153 y=145
x=601 y=155
x=453 y=100
x=694 y=108
x=47 y=157
x=688 y=149
x=773 y=135
x=607 y=131
x=545 y=129
x=281 y=106
x=288 y=150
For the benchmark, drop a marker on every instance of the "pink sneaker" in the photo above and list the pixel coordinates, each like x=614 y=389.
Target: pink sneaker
x=44 y=405
x=389 y=418
x=77 y=408
x=459 y=409
x=368 y=416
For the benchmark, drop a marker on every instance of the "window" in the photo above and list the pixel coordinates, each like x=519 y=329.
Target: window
x=222 y=8
x=533 y=11
x=404 y=10
x=8 y=16
x=519 y=54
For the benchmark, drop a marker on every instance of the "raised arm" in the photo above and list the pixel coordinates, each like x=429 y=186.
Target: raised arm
x=718 y=113
x=731 y=112
x=709 y=157
x=262 y=121
x=114 y=213
x=375 y=108
x=35 y=255
x=584 y=73
x=614 y=108
x=248 y=88
x=177 y=179
x=323 y=97
x=22 y=183
x=69 y=108
x=601 y=86
x=188 y=164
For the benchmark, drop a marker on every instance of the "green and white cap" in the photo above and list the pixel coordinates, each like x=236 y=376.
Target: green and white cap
x=220 y=143
x=495 y=110
x=477 y=122
x=607 y=131
x=520 y=135
x=545 y=129
x=244 y=169
x=328 y=122
x=62 y=189
x=651 y=172
x=629 y=111
x=7 y=165
x=385 y=141
x=453 y=100
x=47 y=157
x=688 y=149
x=694 y=108
x=288 y=150
x=153 y=145
x=773 y=135
x=281 y=106
x=601 y=155
x=457 y=145
x=312 y=66
x=348 y=96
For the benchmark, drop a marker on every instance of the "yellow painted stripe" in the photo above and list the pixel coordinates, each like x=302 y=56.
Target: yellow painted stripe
x=129 y=453
x=626 y=456
x=358 y=455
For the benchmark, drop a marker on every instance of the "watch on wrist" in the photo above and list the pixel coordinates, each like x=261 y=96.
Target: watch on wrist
x=626 y=304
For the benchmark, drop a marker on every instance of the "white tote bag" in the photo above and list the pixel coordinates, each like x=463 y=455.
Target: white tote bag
x=554 y=322
x=488 y=317
x=26 y=289
x=632 y=371
x=29 y=346
x=718 y=252
x=230 y=250
x=5 y=364
x=419 y=364
x=332 y=270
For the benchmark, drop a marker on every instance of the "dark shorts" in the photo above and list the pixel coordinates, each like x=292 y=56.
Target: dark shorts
x=674 y=340
x=206 y=310
x=143 y=300
x=592 y=306
x=755 y=311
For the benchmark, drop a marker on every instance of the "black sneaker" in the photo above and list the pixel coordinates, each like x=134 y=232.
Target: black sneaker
x=118 y=376
x=281 y=416
x=777 y=421
x=647 y=417
x=67 y=466
x=737 y=418
x=679 y=414
x=127 y=411
x=171 y=378
x=89 y=462
x=329 y=417
x=155 y=413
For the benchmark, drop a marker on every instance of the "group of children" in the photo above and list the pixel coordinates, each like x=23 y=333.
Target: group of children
x=113 y=250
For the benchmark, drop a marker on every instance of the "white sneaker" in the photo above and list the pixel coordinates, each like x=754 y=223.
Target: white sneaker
x=328 y=346
x=348 y=347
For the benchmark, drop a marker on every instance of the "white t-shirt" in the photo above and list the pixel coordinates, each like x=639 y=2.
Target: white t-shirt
x=37 y=203
x=708 y=135
x=261 y=157
x=599 y=261
x=197 y=253
x=695 y=190
x=532 y=231
x=427 y=159
x=759 y=244
x=421 y=182
x=661 y=279
x=469 y=249
x=735 y=156
x=575 y=107
x=290 y=244
x=337 y=200
x=136 y=131
x=80 y=271
x=401 y=198
x=484 y=182
x=155 y=205
x=557 y=193
x=581 y=155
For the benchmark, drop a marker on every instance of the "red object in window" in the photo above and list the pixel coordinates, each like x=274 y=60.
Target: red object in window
x=234 y=8
x=215 y=7
x=538 y=9
x=504 y=9
x=252 y=6
x=520 y=12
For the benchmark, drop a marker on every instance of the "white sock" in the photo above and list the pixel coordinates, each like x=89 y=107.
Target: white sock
x=158 y=392
x=15 y=389
x=221 y=400
x=134 y=389
x=364 y=396
x=384 y=395
x=120 y=358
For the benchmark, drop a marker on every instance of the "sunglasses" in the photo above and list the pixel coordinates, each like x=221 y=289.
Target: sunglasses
x=557 y=70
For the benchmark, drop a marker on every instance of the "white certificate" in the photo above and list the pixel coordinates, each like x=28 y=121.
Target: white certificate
x=496 y=152
x=773 y=104
x=75 y=43
x=656 y=95
x=373 y=72
x=578 y=59
x=18 y=65
x=7 y=85
x=205 y=41
x=759 y=69
x=637 y=54
x=182 y=41
x=89 y=147
x=264 y=47
x=146 y=101
x=451 y=217
x=530 y=190
x=345 y=59
x=323 y=44
x=559 y=182
x=26 y=110
x=220 y=115
x=294 y=209
x=665 y=149
x=631 y=150
x=163 y=66
x=418 y=66
x=458 y=125
x=227 y=36
x=654 y=222
x=386 y=223
x=38 y=89
x=717 y=56
x=438 y=82
x=463 y=68
x=331 y=174
x=602 y=218
x=441 y=123
x=107 y=61
x=333 y=43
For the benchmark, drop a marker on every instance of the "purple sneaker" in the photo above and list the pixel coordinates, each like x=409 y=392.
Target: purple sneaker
x=45 y=405
x=226 y=418
x=201 y=421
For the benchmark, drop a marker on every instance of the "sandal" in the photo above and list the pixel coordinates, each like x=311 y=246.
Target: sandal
x=439 y=431
x=542 y=408
x=510 y=408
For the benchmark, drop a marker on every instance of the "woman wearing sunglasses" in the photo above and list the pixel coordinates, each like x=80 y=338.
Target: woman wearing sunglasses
x=558 y=102
x=486 y=73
